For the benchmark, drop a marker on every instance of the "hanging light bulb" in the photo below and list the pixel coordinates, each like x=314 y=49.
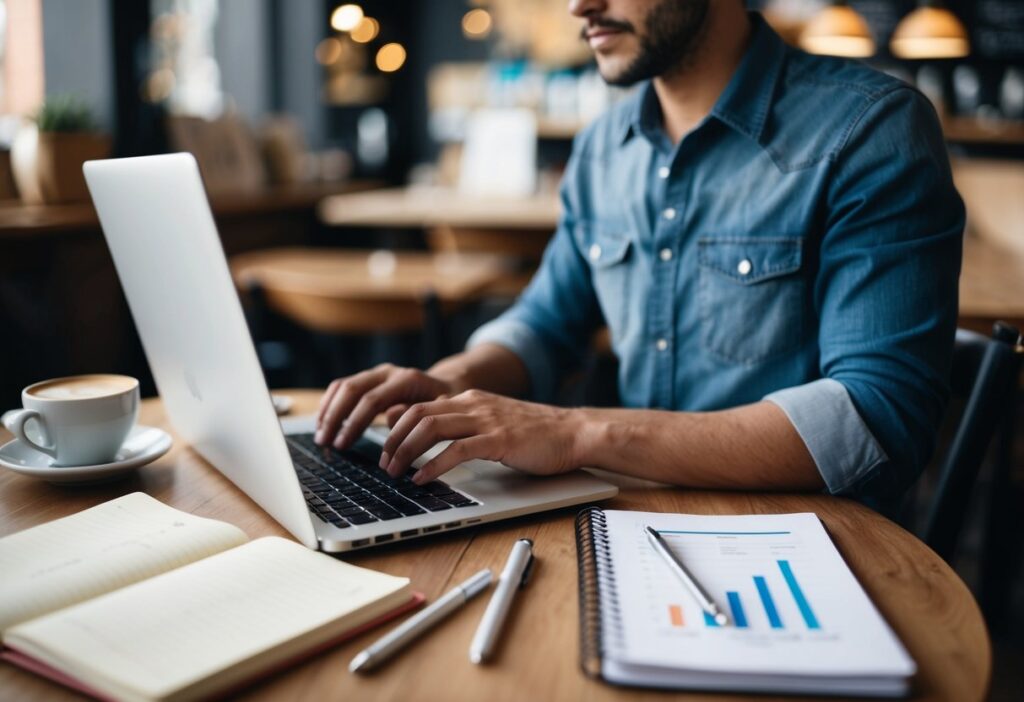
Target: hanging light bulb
x=838 y=30
x=930 y=32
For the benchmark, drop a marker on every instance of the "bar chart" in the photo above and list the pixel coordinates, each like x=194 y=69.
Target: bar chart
x=755 y=577
x=765 y=600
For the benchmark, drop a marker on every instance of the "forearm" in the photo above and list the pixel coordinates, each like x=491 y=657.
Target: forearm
x=750 y=447
x=487 y=367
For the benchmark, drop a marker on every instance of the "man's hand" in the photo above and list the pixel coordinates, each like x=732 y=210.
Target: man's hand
x=350 y=404
x=534 y=438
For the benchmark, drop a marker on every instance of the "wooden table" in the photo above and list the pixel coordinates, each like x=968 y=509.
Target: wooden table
x=927 y=604
x=343 y=291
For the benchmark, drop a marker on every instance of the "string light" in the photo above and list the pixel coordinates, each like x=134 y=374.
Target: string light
x=328 y=51
x=476 y=24
x=390 y=57
x=346 y=17
x=366 y=31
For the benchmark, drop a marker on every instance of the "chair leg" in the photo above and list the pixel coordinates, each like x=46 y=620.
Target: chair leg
x=433 y=330
x=1001 y=550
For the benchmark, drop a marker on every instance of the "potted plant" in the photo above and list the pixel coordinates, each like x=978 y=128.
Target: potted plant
x=65 y=137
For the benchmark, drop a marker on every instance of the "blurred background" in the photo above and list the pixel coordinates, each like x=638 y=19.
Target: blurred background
x=384 y=175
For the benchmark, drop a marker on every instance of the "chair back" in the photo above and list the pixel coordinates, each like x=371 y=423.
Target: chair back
x=985 y=371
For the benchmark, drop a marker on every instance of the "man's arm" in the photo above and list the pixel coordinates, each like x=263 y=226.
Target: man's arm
x=750 y=447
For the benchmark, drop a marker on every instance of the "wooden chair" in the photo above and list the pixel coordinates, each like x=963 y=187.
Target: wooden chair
x=986 y=372
x=360 y=293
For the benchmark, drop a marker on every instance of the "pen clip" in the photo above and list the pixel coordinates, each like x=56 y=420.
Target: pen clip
x=527 y=571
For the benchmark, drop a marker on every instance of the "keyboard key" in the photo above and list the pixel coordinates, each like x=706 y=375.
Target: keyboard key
x=436 y=488
x=364 y=518
x=457 y=500
x=339 y=522
x=432 y=503
x=385 y=513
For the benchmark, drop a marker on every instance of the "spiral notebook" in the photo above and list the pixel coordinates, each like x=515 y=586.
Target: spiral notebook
x=799 y=622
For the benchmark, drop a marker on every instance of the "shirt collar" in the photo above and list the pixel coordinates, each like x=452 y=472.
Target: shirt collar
x=743 y=105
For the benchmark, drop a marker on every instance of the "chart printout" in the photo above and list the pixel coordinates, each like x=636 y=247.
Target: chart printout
x=792 y=603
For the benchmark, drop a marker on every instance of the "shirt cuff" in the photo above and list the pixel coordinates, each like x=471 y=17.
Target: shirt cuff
x=519 y=338
x=841 y=444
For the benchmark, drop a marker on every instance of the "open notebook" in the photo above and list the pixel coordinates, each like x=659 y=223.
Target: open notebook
x=799 y=622
x=135 y=600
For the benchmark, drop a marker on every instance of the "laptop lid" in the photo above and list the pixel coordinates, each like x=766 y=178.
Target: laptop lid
x=164 y=242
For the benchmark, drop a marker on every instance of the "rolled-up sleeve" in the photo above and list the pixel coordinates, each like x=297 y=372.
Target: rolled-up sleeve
x=550 y=325
x=841 y=444
x=886 y=297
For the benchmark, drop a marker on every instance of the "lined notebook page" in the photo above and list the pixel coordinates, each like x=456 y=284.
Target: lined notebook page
x=162 y=635
x=114 y=544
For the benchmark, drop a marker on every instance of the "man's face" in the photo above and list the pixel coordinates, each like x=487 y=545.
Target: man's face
x=634 y=40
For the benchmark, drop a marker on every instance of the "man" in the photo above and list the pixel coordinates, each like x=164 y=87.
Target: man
x=773 y=240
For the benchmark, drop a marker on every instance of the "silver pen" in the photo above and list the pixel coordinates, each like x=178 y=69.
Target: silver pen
x=698 y=592
x=515 y=574
x=403 y=634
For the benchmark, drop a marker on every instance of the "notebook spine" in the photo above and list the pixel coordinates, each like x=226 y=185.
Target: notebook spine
x=599 y=602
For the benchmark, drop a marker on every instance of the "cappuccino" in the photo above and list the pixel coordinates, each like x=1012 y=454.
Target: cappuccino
x=78 y=421
x=82 y=387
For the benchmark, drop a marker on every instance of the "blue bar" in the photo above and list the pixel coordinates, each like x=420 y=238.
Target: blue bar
x=798 y=595
x=709 y=620
x=739 y=617
x=768 y=602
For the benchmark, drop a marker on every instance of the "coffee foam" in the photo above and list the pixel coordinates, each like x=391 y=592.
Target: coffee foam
x=82 y=388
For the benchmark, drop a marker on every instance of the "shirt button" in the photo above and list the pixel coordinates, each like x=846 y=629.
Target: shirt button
x=665 y=254
x=669 y=213
x=744 y=267
x=662 y=344
x=663 y=172
x=595 y=252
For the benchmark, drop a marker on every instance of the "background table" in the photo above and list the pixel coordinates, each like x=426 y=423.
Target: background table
x=929 y=607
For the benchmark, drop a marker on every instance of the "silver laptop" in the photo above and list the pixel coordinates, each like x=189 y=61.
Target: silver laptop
x=164 y=243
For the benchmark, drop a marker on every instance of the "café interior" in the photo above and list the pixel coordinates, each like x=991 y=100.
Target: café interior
x=349 y=152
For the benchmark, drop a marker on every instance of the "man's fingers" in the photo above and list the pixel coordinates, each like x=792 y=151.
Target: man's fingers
x=348 y=393
x=394 y=414
x=393 y=390
x=460 y=450
x=325 y=401
x=410 y=418
x=429 y=431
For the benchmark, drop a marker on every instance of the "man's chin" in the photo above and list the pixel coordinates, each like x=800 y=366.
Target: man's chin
x=616 y=73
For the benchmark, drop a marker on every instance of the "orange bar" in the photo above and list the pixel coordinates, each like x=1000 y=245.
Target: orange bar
x=675 y=612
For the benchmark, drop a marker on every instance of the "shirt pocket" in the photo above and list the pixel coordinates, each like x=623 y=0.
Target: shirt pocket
x=752 y=297
x=606 y=246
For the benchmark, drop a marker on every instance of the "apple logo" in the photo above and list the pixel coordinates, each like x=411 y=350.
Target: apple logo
x=193 y=386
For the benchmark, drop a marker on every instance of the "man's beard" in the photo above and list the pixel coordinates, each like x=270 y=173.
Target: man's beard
x=672 y=36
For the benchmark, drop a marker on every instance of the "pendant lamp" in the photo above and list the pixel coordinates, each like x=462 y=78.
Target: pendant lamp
x=838 y=30
x=930 y=32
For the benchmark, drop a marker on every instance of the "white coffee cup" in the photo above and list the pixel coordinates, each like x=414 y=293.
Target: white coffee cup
x=80 y=420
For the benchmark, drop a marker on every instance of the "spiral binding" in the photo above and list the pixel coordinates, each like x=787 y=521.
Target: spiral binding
x=599 y=598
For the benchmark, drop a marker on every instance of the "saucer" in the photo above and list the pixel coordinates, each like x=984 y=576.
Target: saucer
x=143 y=445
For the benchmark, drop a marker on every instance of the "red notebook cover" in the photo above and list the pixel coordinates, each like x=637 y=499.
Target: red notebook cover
x=39 y=668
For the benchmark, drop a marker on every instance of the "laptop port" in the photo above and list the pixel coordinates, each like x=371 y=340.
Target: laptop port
x=430 y=529
x=360 y=542
x=409 y=532
x=452 y=525
x=384 y=537
x=473 y=521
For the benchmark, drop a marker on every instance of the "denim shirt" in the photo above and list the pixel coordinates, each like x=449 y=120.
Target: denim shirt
x=801 y=245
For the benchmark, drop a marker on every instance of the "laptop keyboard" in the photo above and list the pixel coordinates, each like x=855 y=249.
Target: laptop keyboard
x=348 y=487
